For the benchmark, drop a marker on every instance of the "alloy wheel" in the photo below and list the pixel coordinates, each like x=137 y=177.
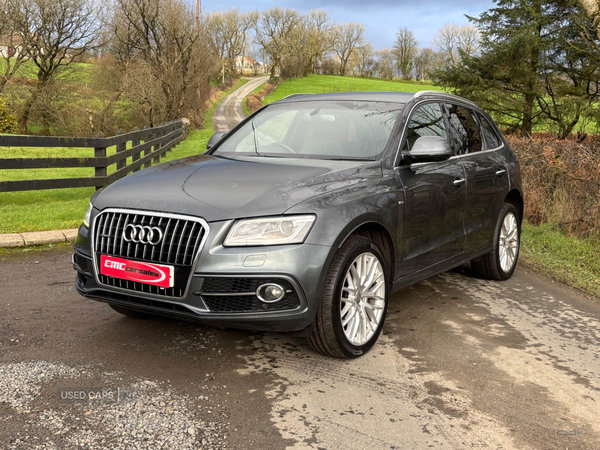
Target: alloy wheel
x=362 y=299
x=509 y=242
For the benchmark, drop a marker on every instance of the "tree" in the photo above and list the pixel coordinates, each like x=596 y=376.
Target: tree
x=348 y=37
x=405 y=51
x=275 y=30
x=367 y=62
x=53 y=33
x=426 y=62
x=161 y=38
x=385 y=63
x=592 y=10
x=14 y=56
x=320 y=39
x=227 y=35
x=533 y=67
x=452 y=40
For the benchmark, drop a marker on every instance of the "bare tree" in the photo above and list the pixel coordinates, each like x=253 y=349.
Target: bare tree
x=227 y=35
x=348 y=38
x=367 y=63
x=14 y=55
x=54 y=34
x=320 y=39
x=405 y=51
x=385 y=63
x=162 y=35
x=452 y=39
x=275 y=31
x=425 y=63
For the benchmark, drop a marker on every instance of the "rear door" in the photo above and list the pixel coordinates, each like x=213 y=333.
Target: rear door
x=435 y=196
x=487 y=182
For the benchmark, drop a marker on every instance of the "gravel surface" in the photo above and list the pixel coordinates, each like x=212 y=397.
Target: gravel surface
x=155 y=418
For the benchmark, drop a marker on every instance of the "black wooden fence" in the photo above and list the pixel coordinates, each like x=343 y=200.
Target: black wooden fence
x=153 y=143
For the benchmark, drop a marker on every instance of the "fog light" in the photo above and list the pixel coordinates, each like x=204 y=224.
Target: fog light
x=270 y=293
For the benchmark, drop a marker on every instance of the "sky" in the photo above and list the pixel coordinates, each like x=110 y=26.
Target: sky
x=381 y=18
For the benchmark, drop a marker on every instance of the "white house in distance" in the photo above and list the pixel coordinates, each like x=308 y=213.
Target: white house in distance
x=10 y=46
x=250 y=66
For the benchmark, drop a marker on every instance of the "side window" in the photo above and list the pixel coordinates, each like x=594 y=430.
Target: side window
x=465 y=131
x=427 y=120
x=490 y=136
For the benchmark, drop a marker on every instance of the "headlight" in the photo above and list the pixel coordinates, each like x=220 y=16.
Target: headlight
x=270 y=231
x=88 y=215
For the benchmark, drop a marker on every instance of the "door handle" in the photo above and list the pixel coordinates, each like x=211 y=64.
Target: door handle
x=459 y=182
x=500 y=172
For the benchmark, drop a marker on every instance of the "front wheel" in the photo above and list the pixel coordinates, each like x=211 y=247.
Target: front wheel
x=354 y=303
x=501 y=262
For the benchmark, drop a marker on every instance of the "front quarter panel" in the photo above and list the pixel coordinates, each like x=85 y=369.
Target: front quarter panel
x=341 y=211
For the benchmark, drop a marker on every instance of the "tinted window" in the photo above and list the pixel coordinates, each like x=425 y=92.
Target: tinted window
x=427 y=120
x=490 y=136
x=326 y=129
x=466 y=134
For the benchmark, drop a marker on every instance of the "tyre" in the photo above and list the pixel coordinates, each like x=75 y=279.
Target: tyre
x=132 y=312
x=501 y=262
x=354 y=301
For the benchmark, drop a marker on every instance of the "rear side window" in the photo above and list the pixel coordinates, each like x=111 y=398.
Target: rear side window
x=465 y=131
x=490 y=136
x=427 y=120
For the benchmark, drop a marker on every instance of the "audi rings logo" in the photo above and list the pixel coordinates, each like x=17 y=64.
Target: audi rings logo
x=142 y=234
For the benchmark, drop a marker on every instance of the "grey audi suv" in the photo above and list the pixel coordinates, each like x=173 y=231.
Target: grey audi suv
x=308 y=216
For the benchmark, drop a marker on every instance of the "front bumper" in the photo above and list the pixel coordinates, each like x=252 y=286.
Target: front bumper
x=300 y=267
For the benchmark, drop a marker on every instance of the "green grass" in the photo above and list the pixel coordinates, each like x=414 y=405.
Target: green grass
x=64 y=208
x=565 y=258
x=319 y=84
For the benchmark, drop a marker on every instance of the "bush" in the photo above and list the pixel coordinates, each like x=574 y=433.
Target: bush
x=561 y=182
x=8 y=121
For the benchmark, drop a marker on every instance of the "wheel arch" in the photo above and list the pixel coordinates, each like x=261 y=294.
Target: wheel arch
x=379 y=234
x=516 y=198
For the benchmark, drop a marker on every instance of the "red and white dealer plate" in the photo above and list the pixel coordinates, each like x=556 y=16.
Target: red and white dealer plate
x=142 y=272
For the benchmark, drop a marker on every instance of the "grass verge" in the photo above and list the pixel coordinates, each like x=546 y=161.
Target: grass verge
x=56 y=209
x=564 y=258
x=320 y=84
x=245 y=108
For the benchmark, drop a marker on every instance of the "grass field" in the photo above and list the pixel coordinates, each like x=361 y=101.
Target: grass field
x=565 y=258
x=320 y=84
x=64 y=208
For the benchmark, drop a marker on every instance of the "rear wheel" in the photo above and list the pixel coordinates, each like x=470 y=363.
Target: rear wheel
x=501 y=262
x=132 y=312
x=354 y=303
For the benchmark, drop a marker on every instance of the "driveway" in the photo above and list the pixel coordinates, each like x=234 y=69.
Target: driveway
x=462 y=363
x=229 y=113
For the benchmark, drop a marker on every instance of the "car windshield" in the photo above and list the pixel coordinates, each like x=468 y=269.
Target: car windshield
x=346 y=130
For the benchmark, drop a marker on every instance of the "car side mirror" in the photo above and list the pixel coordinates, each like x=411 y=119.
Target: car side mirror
x=214 y=139
x=429 y=148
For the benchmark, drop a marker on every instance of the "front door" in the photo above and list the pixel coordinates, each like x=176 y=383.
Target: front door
x=435 y=196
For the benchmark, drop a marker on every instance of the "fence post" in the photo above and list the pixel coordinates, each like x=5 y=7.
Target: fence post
x=135 y=141
x=121 y=147
x=148 y=150
x=157 y=146
x=100 y=152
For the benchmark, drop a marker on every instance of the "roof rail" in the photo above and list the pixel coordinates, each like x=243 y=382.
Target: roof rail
x=444 y=94
x=297 y=95
x=420 y=93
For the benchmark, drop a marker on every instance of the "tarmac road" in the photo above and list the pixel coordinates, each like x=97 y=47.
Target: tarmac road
x=462 y=364
x=229 y=113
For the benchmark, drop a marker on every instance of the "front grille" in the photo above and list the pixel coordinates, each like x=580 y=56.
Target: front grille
x=181 y=241
x=245 y=303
